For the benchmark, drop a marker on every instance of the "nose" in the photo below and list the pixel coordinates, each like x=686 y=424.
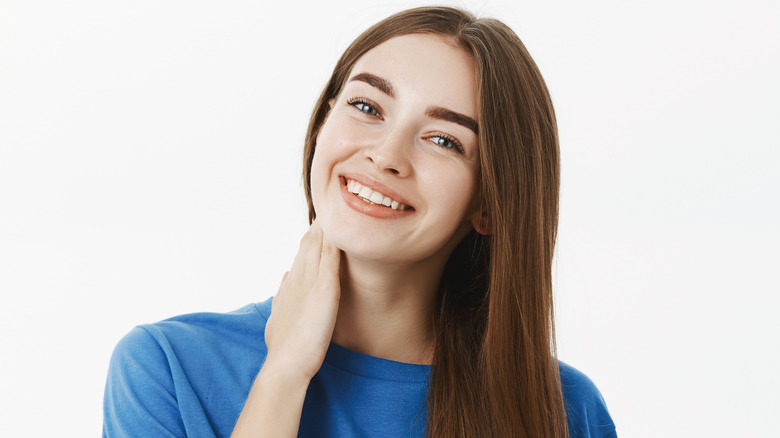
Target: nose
x=390 y=153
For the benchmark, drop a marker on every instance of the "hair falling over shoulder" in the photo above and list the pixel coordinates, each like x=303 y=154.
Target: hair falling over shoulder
x=495 y=371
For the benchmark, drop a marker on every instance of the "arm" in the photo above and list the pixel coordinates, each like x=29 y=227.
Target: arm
x=140 y=399
x=274 y=405
x=297 y=335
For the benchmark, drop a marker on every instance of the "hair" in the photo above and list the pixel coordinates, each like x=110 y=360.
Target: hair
x=495 y=371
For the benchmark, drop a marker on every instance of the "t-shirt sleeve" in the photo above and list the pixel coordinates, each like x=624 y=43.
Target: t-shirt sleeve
x=139 y=399
x=586 y=409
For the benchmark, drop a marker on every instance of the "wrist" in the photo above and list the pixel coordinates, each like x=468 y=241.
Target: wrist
x=276 y=374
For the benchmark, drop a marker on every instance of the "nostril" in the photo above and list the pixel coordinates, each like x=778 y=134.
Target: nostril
x=386 y=160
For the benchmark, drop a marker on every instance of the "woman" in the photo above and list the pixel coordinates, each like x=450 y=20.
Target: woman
x=420 y=301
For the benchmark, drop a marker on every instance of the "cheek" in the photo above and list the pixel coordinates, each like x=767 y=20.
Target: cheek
x=336 y=142
x=321 y=155
x=327 y=153
x=328 y=144
x=319 y=178
x=453 y=188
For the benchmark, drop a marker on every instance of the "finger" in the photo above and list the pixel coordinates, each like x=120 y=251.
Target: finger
x=279 y=291
x=298 y=269
x=330 y=260
x=314 y=254
x=275 y=298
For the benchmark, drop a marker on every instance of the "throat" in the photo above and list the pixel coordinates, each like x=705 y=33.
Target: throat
x=389 y=319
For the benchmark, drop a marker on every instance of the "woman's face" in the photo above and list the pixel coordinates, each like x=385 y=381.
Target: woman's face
x=394 y=175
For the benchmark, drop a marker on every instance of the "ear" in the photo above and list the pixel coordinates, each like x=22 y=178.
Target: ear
x=330 y=102
x=481 y=223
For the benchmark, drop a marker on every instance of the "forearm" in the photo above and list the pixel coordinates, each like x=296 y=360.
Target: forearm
x=273 y=408
x=297 y=335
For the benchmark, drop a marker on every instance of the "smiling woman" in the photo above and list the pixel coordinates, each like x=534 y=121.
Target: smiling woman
x=385 y=132
x=420 y=300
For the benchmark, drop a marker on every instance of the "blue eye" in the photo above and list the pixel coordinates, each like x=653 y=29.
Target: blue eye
x=441 y=141
x=364 y=106
x=447 y=142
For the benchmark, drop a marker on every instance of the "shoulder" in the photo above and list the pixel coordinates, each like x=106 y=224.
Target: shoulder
x=201 y=332
x=149 y=344
x=202 y=326
x=586 y=409
x=163 y=376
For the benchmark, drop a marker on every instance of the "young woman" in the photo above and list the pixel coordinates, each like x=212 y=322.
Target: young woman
x=420 y=301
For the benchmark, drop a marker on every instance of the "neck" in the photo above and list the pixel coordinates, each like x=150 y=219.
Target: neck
x=386 y=310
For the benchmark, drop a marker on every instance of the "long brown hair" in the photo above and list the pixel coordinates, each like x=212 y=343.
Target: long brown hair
x=494 y=368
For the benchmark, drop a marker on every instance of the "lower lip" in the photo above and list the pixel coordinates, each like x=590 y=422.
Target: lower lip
x=377 y=211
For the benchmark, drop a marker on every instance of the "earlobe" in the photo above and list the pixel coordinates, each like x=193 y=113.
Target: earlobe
x=481 y=223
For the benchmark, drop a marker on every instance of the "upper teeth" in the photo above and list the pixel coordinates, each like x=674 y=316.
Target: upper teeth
x=373 y=197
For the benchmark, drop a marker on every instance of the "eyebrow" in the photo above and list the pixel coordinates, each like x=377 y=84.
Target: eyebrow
x=436 y=112
x=375 y=81
x=440 y=113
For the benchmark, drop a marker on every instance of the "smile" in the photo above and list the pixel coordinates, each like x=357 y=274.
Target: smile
x=371 y=196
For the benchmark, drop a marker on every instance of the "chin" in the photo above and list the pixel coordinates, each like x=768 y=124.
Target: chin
x=386 y=251
x=360 y=247
x=386 y=241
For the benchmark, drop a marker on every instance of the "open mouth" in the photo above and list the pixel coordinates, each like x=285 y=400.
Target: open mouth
x=371 y=196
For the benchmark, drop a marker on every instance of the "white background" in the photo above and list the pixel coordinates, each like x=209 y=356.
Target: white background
x=150 y=157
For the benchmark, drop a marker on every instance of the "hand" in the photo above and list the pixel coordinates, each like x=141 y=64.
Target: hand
x=303 y=312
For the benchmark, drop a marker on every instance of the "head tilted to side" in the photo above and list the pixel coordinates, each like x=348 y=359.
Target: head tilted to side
x=495 y=372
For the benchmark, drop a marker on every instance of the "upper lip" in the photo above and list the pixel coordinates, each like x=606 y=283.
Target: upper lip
x=377 y=186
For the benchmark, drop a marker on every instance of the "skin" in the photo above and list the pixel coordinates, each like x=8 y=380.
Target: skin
x=366 y=278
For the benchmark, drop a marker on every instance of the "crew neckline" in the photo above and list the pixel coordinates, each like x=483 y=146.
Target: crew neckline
x=375 y=367
x=363 y=365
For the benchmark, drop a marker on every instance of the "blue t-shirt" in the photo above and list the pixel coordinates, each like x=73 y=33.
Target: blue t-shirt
x=190 y=376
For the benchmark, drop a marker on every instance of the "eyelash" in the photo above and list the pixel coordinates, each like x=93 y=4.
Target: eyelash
x=456 y=146
x=356 y=101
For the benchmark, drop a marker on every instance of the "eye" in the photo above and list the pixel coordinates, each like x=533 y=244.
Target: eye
x=365 y=106
x=447 y=142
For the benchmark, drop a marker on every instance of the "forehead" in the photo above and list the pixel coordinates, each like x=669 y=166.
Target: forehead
x=425 y=67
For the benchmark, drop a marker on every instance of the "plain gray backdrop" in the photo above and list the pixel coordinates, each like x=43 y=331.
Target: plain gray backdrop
x=150 y=158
